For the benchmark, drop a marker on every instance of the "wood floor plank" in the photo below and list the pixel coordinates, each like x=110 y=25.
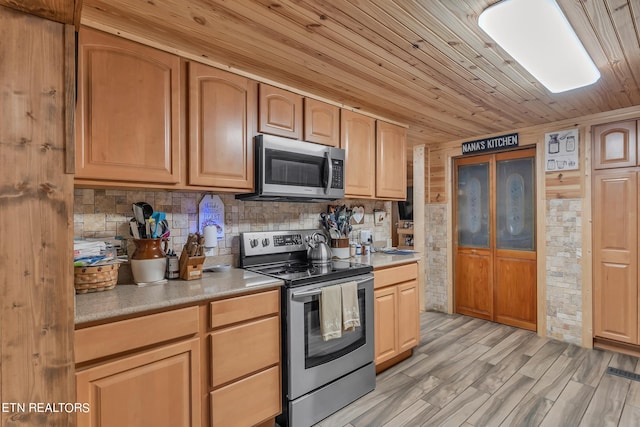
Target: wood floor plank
x=529 y=413
x=633 y=397
x=425 y=413
x=499 y=334
x=407 y=415
x=630 y=416
x=450 y=336
x=592 y=367
x=456 y=412
x=447 y=391
x=501 y=373
x=607 y=403
x=500 y=404
x=568 y=410
x=395 y=403
x=506 y=346
x=439 y=356
x=543 y=359
x=557 y=376
x=459 y=362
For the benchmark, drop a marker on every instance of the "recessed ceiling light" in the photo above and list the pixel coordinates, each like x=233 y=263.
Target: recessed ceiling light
x=537 y=35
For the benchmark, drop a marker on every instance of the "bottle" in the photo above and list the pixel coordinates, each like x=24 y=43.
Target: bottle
x=554 y=144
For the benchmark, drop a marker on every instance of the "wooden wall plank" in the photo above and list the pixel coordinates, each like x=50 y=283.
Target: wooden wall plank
x=36 y=278
x=63 y=11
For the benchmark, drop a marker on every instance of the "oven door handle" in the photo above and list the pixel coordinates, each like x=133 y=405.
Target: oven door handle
x=313 y=292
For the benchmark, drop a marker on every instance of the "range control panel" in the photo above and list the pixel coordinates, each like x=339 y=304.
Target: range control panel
x=273 y=242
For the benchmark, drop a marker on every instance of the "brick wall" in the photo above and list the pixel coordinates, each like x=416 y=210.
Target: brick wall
x=564 y=269
x=436 y=257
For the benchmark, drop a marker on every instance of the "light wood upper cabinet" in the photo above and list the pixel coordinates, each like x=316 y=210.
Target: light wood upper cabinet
x=128 y=111
x=222 y=108
x=280 y=112
x=615 y=145
x=321 y=122
x=358 y=139
x=391 y=163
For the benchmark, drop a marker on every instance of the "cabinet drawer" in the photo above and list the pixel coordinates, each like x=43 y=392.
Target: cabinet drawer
x=393 y=275
x=117 y=337
x=238 y=309
x=247 y=402
x=243 y=349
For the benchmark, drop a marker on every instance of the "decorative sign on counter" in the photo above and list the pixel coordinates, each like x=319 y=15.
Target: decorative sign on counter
x=561 y=150
x=211 y=212
x=490 y=144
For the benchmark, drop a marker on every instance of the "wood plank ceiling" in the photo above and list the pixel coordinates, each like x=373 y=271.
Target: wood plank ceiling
x=425 y=63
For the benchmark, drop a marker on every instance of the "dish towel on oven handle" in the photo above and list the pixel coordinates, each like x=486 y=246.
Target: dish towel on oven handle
x=350 y=306
x=331 y=312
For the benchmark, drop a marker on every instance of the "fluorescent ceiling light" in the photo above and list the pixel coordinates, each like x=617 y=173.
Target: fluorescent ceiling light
x=537 y=35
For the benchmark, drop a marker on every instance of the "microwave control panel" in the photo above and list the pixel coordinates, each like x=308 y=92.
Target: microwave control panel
x=337 y=180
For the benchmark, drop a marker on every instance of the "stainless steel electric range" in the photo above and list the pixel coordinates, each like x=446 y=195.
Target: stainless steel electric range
x=318 y=377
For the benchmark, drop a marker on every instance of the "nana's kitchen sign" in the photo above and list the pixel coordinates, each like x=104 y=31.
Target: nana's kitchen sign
x=490 y=144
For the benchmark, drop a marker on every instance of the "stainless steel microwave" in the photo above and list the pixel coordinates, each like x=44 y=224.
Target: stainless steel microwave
x=296 y=171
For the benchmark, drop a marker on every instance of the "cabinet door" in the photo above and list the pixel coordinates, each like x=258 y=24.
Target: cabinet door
x=391 y=164
x=615 y=255
x=160 y=387
x=321 y=122
x=221 y=127
x=128 y=111
x=280 y=112
x=408 y=316
x=386 y=324
x=615 y=145
x=358 y=139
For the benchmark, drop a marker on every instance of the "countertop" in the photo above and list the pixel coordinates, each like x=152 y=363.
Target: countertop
x=131 y=299
x=381 y=260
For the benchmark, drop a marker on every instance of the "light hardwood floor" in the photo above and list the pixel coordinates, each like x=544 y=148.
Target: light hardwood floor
x=470 y=372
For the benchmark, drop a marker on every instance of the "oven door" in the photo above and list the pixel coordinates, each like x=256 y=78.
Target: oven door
x=300 y=169
x=314 y=362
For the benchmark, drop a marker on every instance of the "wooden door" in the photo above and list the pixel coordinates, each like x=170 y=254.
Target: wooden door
x=386 y=320
x=615 y=255
x=128 y=111
x=358 y=139
x=515 y=290
x=321 y=122
x=160 y=387
x=280 y=112
x=391 y=164
x=473 y=255
x=495 y=262
x=222 y=108
x=615 y=145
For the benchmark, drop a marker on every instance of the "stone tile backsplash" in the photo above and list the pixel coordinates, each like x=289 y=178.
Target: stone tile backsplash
x=105 y=214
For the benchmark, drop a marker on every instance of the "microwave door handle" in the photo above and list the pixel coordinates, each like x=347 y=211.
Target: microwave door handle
x=329 y=169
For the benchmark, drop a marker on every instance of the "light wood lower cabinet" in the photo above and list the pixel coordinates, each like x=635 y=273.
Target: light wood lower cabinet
x=245 y=388
x=396 y=314
x=158 y=387
x=215 y=364
x=147 y=371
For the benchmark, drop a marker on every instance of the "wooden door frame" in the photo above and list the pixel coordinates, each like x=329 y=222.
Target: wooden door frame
x=539 y=209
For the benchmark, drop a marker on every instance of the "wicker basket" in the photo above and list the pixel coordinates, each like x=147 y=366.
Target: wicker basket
x=95 y=279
